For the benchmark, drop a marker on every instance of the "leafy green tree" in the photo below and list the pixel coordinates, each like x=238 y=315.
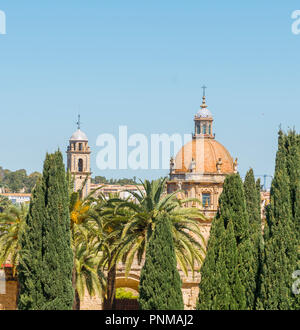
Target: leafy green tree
x=16 y=180
x=280 y=248
x=160 y=283
x=5 y=203
x=99 y=179
x=46 y=258
x=124 y=181
x=31 y=181
x=122 y=293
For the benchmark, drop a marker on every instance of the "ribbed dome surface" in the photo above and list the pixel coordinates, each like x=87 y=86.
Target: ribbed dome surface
x=206 y=153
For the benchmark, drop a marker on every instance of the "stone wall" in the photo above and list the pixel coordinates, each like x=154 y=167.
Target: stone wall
x=91 y=303
x=8 y=301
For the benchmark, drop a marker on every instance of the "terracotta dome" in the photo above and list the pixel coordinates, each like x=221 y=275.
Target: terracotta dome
x=203 y=155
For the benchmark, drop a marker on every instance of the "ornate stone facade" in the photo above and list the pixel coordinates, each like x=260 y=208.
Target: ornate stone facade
x=201 y=166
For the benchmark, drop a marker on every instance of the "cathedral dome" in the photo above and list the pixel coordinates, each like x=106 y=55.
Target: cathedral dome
x=78 y=136
x=204 y=156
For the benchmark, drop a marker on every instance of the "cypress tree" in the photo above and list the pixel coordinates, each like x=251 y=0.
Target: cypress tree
x=52 y=262
x=292 y=145
x=227 y=272
x=30 y=264
x=160 y=283
x=255 y=242
x=280 y=248
x=211 y=277
x=220 y=286
x=252 y=196
x=258 y=188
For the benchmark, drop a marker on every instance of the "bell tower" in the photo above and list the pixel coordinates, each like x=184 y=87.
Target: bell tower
x=78 y=161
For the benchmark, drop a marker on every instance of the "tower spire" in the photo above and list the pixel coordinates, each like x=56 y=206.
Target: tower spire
x=203 y=105
x=78 y=122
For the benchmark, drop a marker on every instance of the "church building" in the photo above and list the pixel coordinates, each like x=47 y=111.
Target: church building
x=201 y=166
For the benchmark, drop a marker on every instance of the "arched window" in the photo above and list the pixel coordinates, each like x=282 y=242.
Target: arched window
x=206 y=200
x=204 y=129
x=209 y=129
x=80 y=165
x=80 y=146
x=198 y=129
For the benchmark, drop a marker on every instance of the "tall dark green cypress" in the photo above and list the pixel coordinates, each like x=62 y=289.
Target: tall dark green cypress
x=292 y=146
x=31 y=296
x=227 y=274
x=53 y=261
x=252 y=198
x=160 y=283
x=255 y=243
x=258 y=188
x=280 y=247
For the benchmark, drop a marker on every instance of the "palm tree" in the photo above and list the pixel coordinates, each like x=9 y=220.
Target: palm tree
x=152 y=201
x=12 y=222
x=110 y=219
x=87 y=271
x=86 y=243
x=132 y=223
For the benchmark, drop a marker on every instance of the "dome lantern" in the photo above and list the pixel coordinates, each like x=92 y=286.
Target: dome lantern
x=203 y=120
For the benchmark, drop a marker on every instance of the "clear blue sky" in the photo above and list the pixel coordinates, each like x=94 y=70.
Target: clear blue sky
x=142 y=64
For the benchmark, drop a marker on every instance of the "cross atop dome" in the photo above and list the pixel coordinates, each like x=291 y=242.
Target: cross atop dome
x=203 y=105
x=78 y=135
x=78 y=122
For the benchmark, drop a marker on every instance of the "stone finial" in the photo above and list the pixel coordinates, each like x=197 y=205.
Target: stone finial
x=193 y=166
x=235 y=165
x=219 y=165
x=172 y=166
x=179 y=185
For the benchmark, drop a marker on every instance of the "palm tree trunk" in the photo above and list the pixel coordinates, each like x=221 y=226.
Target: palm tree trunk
x=108 y=303
x=76 y=302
